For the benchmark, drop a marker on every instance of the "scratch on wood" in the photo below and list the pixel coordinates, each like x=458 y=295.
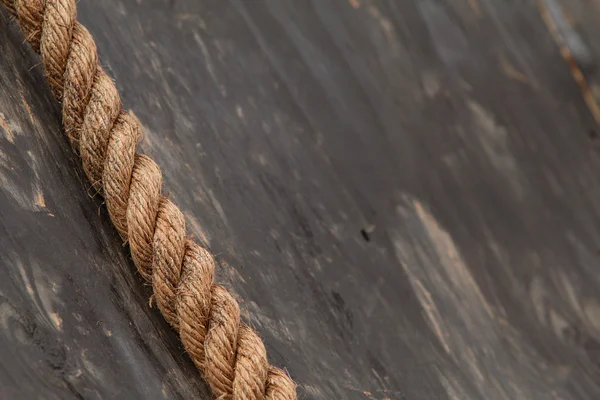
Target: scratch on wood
x=474 y=5
x=39 y=199
x=510 y=71
x=494 y=141
x=433 y=314
x=208 y=61
x=431 y=84
x=354 y=3
x=10 y=136
x=240 y=112
x=385 y=23
x=196 y=229
x=26 y=106
x=445 y=245
x=56 y=320
x=458 y=313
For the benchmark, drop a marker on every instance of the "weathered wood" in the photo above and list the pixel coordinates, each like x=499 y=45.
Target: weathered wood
x=402 y=194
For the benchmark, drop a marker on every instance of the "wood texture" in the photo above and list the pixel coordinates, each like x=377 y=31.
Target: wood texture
x=404 y=195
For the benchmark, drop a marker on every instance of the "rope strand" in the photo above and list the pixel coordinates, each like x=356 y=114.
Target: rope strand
x=229 y=354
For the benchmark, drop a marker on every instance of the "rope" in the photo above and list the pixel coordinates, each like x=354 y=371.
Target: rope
x=229 y=354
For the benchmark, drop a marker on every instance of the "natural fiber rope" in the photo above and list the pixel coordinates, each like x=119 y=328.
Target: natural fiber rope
x=228 y=353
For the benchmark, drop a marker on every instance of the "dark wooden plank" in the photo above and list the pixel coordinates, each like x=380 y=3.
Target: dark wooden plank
x=402 y=194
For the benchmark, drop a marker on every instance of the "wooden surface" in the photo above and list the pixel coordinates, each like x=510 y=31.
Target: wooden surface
x=404 y=195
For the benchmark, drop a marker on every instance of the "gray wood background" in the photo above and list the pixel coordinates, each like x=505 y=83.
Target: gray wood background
x=404 y=195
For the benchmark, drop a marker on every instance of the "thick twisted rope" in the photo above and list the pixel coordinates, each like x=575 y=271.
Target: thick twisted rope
x=228 y=353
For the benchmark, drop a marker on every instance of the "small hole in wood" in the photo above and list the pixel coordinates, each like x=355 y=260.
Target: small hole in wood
x=365 y=235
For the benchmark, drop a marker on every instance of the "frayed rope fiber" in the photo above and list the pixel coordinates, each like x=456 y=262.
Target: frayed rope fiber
x=229 y=354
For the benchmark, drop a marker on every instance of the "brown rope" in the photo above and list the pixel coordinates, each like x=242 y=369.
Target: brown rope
x=228 y=353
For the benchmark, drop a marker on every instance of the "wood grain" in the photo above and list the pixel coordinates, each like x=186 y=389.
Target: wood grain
x=403 y=195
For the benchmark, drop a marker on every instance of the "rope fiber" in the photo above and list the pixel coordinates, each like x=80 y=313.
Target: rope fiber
x=229 y=354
